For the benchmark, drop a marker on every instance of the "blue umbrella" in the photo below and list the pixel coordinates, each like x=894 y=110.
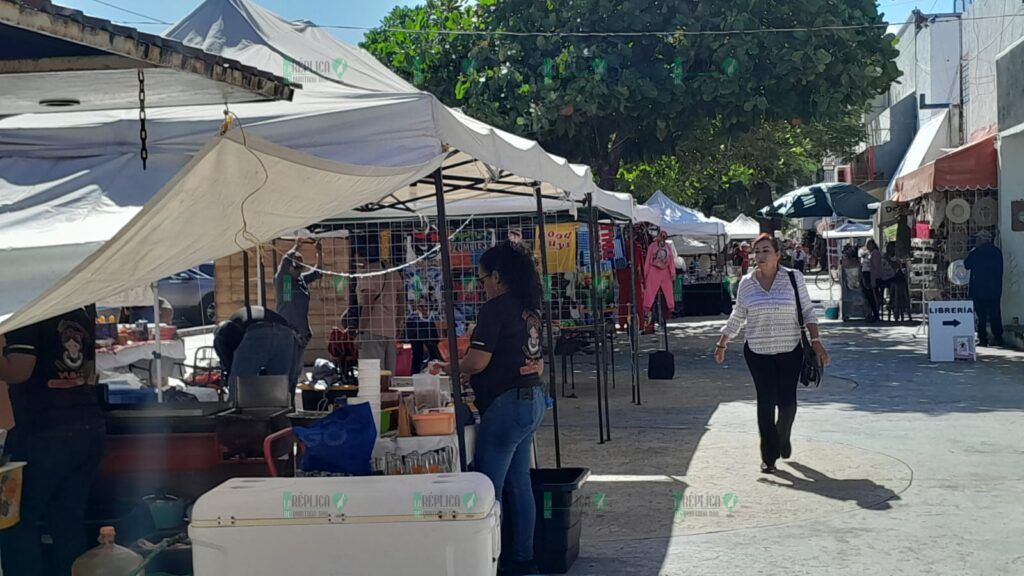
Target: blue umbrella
x=822 y=201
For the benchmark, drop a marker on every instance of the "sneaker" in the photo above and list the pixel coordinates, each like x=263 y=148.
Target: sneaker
x=768 y=468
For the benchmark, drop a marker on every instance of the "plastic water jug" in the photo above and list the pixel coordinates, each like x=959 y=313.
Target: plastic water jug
x=107 y=559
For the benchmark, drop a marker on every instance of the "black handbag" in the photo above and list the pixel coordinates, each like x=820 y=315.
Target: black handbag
x=811 y=371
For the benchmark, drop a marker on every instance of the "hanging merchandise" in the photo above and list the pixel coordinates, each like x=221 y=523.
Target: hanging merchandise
x=985 y=213
x=385 y=246
x=620 y=250
x=561 y=247
x=607 y=242
x=583 y=246
x=659 y=272
x=958 y=211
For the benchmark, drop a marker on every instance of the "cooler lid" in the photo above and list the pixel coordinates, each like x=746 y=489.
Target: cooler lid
x=276 y=501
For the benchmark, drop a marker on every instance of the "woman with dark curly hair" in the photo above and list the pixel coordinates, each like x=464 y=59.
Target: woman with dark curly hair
x=504 y=365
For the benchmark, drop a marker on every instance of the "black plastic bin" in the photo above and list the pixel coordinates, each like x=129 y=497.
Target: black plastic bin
x=556 y=540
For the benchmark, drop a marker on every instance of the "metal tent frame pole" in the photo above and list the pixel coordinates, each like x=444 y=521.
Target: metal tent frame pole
x=449 y=306
x=634 y=317
x=549 y=315
x=597 y=312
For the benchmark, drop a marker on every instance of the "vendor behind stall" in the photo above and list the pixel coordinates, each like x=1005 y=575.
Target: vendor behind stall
x=505 y=364
x=59 y=431
x=291 y=290
x=256 y=341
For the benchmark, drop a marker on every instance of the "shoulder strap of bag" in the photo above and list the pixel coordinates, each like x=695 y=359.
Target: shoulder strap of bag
x=799 y=305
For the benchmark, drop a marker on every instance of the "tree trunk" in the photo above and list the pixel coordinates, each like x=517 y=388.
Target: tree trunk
x=763 y=193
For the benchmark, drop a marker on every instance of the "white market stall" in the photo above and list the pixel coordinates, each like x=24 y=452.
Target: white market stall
x=700 y=291
x=354 y=136
x=743 y=227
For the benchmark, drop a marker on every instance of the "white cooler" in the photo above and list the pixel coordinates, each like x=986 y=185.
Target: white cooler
x=424 y=525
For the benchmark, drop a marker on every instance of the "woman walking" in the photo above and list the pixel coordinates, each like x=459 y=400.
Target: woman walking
x=504 y=365
x=766 y=304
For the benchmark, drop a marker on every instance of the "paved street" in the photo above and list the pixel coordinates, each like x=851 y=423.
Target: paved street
x=900 y=466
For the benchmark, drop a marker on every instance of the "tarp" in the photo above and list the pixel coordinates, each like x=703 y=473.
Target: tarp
x=973 y=166
x=70 y=181
x=743 y=228
x=850 y=230
x=679 y=220
x=689 y=247
x=199 y=214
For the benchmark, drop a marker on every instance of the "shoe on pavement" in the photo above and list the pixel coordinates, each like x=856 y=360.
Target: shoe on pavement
x=768 y=468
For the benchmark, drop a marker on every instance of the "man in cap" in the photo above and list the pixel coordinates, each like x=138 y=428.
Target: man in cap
x=986 y=265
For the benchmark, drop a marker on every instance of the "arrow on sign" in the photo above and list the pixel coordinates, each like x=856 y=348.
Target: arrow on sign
x=953 y=323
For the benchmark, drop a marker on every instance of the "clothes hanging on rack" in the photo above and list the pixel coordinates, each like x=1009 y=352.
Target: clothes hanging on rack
x=625 y=278
x=659 y=272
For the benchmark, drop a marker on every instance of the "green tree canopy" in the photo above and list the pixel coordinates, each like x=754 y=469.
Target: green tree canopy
x=615 y=100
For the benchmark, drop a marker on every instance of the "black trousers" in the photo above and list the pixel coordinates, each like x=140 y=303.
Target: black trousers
x=62 y=464
x=775 y=378
x=870 y=294
x=989 y=312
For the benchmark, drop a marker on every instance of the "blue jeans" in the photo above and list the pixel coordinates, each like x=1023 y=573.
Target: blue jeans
x=269 y=347
x=503 y=454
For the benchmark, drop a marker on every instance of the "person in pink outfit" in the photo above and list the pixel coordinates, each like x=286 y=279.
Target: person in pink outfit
x=659 y=271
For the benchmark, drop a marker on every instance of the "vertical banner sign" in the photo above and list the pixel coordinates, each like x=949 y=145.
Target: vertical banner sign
x=561 y=246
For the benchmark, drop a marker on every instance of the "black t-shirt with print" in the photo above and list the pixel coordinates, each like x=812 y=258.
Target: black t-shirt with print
x=61 y=388
x=512 y=334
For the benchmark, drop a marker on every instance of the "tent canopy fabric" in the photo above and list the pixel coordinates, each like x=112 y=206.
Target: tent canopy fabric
x=228 y=178
x=973 y=166
x=679 y=220
x=689 y=247
x=822 y=200
x=72 y=180
x=850 y=230
x=743 y=228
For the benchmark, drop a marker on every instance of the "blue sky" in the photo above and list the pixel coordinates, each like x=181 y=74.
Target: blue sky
x=350 y=12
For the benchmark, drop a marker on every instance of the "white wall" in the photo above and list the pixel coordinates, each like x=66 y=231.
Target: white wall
x=1011 y=187
x=938 y=64
x=983 y=41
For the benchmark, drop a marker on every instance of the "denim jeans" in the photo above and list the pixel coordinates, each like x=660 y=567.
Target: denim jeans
x=62 y=464
x=503 y=444
x=269 y=347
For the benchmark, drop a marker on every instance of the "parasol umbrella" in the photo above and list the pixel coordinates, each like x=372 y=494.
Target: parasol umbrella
x=822 y=201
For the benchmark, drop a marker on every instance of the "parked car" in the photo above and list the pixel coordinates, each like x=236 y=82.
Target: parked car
x=190 y=292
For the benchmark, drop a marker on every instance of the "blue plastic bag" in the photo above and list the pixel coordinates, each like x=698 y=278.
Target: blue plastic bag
x=341 y=442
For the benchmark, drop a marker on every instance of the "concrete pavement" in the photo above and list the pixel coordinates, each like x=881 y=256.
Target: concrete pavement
x=900 y=466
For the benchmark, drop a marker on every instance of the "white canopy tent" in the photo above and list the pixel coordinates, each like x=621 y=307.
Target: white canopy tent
x=743 y=228
x=689 y=247
x=679 y=220
x=849 y=230
x=355 y=134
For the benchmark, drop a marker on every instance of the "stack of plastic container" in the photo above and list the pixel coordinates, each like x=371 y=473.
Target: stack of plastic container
x=369 y=388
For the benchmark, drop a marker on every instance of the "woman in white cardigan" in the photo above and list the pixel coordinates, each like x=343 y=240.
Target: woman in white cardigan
x=766 y=305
